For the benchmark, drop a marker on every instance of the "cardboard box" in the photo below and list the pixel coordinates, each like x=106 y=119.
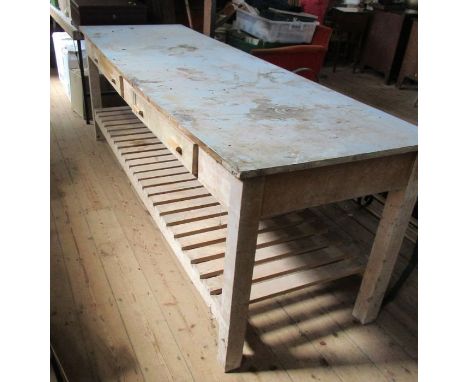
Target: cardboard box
x=66 y=57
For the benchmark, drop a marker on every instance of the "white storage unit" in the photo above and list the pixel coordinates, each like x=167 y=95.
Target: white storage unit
x=275 y=31
x=66 y=56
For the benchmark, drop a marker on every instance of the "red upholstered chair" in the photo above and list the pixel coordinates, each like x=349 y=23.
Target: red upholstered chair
x=316 y=7
x=305 y=60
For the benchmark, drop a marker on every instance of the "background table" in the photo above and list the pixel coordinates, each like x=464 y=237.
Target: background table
x=386 y=42
x=409 y=66
x=349 y=25
x=65 y=23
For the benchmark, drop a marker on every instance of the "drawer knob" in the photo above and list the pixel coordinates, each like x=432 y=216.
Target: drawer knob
x=113 y=81
x=179 y=150
x=96 y=60
x=140 y=112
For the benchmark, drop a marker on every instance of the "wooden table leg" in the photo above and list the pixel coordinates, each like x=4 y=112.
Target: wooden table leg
x=95 y=93
x=244 y=214
x=209 y=17
x=385 y=250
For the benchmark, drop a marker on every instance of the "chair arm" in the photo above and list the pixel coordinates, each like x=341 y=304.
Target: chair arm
x=290 y=50
x=299 y=70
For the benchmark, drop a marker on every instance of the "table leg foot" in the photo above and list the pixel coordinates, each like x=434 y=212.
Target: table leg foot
x=97 y=130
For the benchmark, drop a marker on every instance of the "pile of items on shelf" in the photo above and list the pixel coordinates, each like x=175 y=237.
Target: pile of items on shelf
x=265 y=24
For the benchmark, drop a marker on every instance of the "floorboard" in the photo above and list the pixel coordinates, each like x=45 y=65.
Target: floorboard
x=369 y=87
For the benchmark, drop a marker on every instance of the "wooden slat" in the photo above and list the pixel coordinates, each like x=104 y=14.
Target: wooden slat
x=180 y=195
x=289 y=248
x=144 y=164
x=215 y=250
x=274 y=269
x=187 y=205
x=278 y=251
x=288 y=233
x=160 y=173
x=145 y=158
x=209 y=224
x=303 y=279
x=141 y=150
x=202 y=239
x=174 y=187
x=112 y=110
x=133 y=158
x=264 y=239
x=199 y=226
x=127 y=132
x=161 y=165
x=194 y=215
x=163 y=181
x=137 y=143
x=133 y=137
x=122 y=115
x=118 y=118
x=125 y=124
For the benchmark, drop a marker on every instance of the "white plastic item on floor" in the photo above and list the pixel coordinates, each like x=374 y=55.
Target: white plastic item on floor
x=292 y=32
x=66 y=56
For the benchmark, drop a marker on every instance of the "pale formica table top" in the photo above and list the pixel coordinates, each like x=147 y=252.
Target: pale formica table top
x=253 y=117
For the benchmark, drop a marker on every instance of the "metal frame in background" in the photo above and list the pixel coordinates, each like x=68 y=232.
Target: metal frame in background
x=83 y=83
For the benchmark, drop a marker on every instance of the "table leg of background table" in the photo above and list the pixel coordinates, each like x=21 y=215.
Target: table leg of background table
x=83 y=81
x=385 y=250
x=209 y=17
x=95 y=93
x=244 y=214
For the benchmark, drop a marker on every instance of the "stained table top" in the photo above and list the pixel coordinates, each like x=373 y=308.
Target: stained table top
x=253 y=117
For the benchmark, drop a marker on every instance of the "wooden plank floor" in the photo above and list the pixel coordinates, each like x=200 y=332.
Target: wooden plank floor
x=369 y=87
x=123 y=309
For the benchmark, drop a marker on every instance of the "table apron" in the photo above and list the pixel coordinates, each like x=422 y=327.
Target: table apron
x=293 y=191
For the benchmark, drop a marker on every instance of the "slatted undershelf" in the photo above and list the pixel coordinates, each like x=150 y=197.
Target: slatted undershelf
x=293 y=250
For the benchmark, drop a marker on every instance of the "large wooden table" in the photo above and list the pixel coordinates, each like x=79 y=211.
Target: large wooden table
x=224 y=149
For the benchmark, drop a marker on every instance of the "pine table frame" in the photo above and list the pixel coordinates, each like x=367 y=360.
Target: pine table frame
x=249 y=197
